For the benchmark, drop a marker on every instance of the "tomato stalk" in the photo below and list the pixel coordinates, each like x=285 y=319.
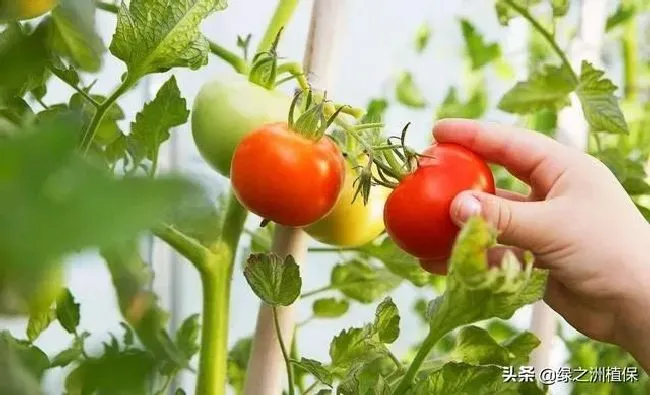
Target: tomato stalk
x=285 y=354
x=216 y=278
x=281 y=17
x=89 y=134
x=237 y=62
x=548 y=36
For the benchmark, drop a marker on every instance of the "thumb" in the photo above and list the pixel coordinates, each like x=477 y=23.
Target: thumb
x=520 y=224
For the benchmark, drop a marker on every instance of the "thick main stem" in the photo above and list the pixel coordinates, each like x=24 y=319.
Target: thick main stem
x=216 y=280
x=428 y=344
x=283 y=13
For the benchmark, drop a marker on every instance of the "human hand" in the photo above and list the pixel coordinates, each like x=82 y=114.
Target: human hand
x=577 y=220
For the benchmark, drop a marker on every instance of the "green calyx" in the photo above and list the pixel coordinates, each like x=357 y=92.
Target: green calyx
x=312 y=123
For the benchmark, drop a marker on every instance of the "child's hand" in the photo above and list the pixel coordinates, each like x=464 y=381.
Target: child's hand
x=578 y=221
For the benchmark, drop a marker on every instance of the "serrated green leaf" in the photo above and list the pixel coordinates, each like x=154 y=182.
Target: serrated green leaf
x=67 y=311
x=66 y=357
x=330 y=307
x=38 y=323
x=546 y=89
x=474 y=108
x=274 y=280
x=599 y=104
x=28 y=53
x=362 y=282
x=408 y=93
x=387 y=321
x=152 y=124
x=355 y=345
x=187 y=336
x=422 y=37
x=521 y=346
x=500 y=330
x=238 y=363
x=460 y=378
x=21 y=366
x=200 y=217
x=128 y=338
x=316 y=369
x=397 y=261
x=475 y=346
x=479 y=52
x=153 y=36
x=74 y=35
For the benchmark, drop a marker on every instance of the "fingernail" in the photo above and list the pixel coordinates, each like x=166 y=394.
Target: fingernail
x=467 y=206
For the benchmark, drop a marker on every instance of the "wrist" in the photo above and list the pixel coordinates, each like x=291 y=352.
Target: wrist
x=634 y=328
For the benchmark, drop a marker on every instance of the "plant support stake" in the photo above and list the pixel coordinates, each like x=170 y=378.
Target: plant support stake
x=266 y=374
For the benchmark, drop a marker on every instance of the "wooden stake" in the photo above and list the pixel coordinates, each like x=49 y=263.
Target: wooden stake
x=266 y=374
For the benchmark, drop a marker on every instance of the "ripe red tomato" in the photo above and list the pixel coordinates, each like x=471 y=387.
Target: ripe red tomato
x=416 y=213
x=286 y=178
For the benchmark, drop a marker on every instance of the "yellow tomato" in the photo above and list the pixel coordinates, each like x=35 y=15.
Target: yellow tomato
x=24 y=9
x=352 y=224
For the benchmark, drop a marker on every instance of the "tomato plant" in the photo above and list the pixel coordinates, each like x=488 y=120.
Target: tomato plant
x=80 y=173
x=417 y=212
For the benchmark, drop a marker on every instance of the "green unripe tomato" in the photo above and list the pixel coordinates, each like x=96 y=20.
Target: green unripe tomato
x=228 y=108
x=24 y=9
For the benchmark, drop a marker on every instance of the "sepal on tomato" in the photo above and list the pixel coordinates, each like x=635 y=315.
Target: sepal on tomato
x=312 y=123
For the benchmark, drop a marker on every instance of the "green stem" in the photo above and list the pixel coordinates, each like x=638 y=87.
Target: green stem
x=287 y=361
x=548 y=36
x=107 y=7
x=317 y=291
x=83 y=93
x=630 y=48
x=295 y=355
x=295 y=70
x=311 y=388
x=216 y=280
x=406 y=382
x=188 y=247
x=89 y=135
x=237 y=62
x=283 y=13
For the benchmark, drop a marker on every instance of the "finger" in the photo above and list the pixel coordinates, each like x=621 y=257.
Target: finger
x=532 y=157
x=514 y=196
x=526 y=225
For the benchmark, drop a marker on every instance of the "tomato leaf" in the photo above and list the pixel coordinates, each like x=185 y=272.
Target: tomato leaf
x=479 y=52
x=238 y=363
x=25 y=58
x=354 y=345
x=330 y=307
x=67 y=311
x=623 y=13
x=546 y=89
x=152 y=124
x=362 y=282
x=316 y=369
x=422 y=37
x=475 y=346
x=187 y=336
x=66 y=357
x=474 y=108
x=462 y=378
x=408 y=93
x=21 y=367
x=131 y=278
x=521 y=346
x=274 y=280
x=74 y=35
x=397 y=261
x=38 y=323
x=599 y=104
x=387 y=321
x=153 y=36
x=128 y=338
x=367 y=377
